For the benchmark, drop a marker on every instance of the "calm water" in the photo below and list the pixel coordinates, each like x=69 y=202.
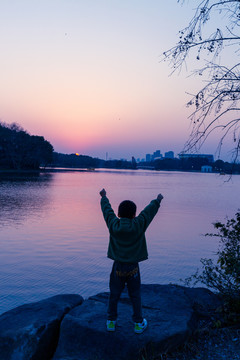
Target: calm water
x=54 y=239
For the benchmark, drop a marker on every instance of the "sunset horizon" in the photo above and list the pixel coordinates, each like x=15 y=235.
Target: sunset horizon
x=89 y=77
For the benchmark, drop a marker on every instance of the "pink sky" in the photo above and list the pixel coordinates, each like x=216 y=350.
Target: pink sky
x=86 y=75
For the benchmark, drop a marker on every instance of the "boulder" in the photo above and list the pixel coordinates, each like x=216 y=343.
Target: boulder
x=31 y=331
x=169 y=309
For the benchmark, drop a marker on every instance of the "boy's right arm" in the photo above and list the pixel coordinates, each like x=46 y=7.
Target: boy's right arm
x=159 y=198
x=107 y=210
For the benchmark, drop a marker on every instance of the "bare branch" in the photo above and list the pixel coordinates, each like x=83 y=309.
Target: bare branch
x=217 y=104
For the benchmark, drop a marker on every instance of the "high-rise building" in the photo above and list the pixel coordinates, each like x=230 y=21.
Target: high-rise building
x=148 y=157
x=157 y=154
x=169 y=155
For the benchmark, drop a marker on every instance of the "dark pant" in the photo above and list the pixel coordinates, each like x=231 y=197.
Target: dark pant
x=125 y=273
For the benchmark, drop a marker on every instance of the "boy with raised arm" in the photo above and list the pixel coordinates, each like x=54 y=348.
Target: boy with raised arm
x=127 y=247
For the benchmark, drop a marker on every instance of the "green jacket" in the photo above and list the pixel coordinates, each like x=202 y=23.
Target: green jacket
x=127 y=242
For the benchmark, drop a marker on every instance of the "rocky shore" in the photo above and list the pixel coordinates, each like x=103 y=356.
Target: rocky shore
x=67 y=327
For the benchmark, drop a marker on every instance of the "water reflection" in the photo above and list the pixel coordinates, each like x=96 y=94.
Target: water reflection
x=54 y=239
x=23 y=195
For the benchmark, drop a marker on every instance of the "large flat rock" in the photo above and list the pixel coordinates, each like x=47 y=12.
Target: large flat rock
x=169 y=309
x=31 y=331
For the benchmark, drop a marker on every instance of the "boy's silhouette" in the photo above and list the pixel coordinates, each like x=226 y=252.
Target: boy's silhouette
x=127 y=247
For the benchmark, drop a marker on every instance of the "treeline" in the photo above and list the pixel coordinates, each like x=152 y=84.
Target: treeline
x=73 y=160
x=19 y=150
x=190 y=164
x=84 y=161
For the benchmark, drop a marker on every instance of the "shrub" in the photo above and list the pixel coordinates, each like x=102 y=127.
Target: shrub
x=223 y=274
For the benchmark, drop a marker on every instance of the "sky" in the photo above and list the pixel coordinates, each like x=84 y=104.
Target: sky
x=87 y=75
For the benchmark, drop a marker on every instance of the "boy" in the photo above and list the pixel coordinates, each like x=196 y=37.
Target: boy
x=127 y=247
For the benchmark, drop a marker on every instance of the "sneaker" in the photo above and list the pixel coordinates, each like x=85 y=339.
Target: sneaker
x=111 y=325
x=140 y=327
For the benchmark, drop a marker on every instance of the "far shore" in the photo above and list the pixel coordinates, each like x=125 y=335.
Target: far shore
x=77 y=169
x=41 y=170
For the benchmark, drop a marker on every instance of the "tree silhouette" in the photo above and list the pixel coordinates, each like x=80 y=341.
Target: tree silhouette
x=216 y=104
x=19 y=150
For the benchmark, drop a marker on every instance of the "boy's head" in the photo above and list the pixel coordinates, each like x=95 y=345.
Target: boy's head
x=127 y=209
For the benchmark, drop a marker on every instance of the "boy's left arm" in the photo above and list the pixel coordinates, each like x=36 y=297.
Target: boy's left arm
x=146 y=215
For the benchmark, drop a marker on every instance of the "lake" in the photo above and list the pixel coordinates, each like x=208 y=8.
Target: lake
x=54 y=239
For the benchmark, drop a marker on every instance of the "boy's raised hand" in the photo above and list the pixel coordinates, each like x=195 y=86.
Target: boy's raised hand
x=103 y=192
x=159 y=197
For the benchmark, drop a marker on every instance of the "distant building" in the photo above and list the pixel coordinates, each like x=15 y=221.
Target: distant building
x=148 y=157
x=206 y=169
x=157 y=154
x=169 y=155
x=209 y=157
x=134 y=163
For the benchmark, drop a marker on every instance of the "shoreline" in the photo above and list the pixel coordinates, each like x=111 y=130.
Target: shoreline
x=77 y=169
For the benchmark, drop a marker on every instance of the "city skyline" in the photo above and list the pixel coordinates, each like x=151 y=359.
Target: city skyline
x=157 y=155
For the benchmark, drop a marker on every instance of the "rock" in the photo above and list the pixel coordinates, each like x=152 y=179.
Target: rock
x=202 y=299
x=169 y=310
x=31 y=331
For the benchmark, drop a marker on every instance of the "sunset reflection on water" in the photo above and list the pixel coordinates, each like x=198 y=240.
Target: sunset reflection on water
x=54 y=239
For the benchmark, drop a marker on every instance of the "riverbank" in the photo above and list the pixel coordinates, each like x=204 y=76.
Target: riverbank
x=41 y=170
x=76 y=169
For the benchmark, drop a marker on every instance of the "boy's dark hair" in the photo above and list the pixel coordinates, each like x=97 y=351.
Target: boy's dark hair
x=127 y=209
